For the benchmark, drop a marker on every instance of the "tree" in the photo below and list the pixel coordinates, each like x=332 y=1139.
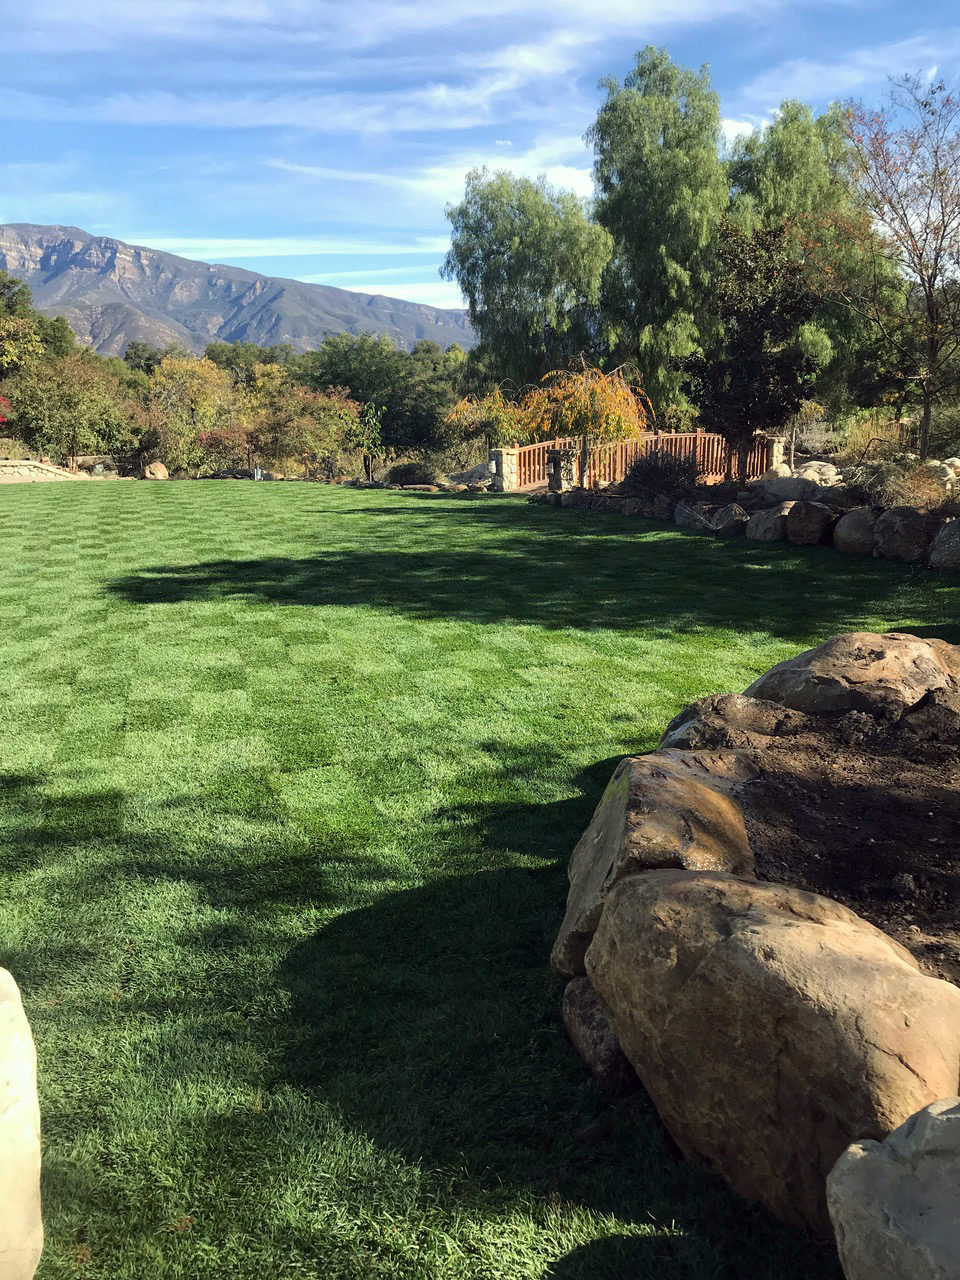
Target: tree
x=70 y=406
x=589 y=404
x=19 y=343
x=759 y=367
x=530 y=263
x=193 y=399
x=908 y=179
x=798 y=173
x=661 y=191
x=363 y=432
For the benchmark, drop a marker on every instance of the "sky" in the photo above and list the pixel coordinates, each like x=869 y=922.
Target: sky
x=323 y=139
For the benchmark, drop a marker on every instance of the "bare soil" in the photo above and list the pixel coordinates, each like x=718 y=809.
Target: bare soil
x=863 y=811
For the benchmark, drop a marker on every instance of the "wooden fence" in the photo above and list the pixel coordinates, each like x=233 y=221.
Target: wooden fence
x=608 y=463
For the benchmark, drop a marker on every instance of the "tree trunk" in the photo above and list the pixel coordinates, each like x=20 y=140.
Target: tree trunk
x=582 y=461
x=742 y=454
x=925 y=420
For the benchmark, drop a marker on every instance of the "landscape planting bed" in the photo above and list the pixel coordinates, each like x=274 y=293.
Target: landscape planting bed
x=289 y=778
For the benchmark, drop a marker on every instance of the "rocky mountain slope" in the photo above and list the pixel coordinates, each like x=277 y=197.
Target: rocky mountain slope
x=113 y=293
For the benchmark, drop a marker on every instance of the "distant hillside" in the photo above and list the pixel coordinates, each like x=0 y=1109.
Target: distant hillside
x=114 y=293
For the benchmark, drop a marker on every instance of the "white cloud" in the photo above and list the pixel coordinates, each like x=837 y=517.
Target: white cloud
x=439 y=294
x=225 y=249
x=806 y=78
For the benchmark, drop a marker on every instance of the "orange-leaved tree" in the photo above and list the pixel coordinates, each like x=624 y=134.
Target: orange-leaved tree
x=587 y=403
x=495 y=418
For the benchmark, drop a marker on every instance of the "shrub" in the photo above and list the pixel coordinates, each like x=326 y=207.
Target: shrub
x=945 y=431
x=659 y=471
x=415 y=473
x=914 y=486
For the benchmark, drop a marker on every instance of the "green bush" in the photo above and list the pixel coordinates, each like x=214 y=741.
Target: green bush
x=659 y=471
x=415 y=473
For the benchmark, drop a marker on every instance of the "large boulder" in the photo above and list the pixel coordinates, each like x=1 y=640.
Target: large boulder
x=667 y=809
x=945 y=550
x=731 y=521
x=771 y=1027
x=154 y=471
x=895 y=1205
x=854 y=532
x=21 y=1228
x=883 y=675
x=904 y=533
x=769 y=525
x=810 y=523
x=792 y=488
x=591 y=1034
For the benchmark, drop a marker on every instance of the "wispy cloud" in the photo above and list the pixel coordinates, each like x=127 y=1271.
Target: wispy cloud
x=805 y=78
x=220 y=249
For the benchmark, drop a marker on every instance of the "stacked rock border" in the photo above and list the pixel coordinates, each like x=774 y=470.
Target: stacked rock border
x=761 y=514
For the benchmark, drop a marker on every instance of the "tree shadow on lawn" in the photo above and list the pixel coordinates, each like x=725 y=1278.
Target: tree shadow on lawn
x=531 y=566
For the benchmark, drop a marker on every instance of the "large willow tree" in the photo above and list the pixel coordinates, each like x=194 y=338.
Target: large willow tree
x=661 y=192
x=530 y=263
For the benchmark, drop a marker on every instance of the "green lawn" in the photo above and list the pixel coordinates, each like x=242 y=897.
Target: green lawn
x=289 y=776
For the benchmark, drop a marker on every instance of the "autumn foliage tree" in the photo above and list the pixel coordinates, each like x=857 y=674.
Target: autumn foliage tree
x=908 y=179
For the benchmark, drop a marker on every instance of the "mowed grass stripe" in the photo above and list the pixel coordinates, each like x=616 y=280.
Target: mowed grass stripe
x=289 y=776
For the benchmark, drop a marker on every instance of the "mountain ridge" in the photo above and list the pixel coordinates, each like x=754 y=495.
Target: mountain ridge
x=113 y=293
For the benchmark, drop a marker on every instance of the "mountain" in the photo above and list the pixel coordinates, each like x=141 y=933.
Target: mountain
x=114 y=293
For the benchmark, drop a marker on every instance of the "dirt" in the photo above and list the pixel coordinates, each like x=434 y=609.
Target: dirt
x=863 y=811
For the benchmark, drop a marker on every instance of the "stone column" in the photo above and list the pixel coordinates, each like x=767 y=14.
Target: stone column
x=561 y=470
x=21 y=1230
x=504 y=479
x=775 y=450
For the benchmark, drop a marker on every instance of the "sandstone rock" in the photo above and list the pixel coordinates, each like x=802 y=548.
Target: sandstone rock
x=21 y=1228
x=155 y=471
x=420 y=488
x=854 y=532
x=771 y=1027
x=770 y=525
x=809 y=523
x=688 y=517
x=945 y=549
x=883 y=675
x=632 y=506
x=667 y=809
x=895 y=1205
x=731 y=521
x=594 y=1039
x=792 y=488
x=664 y=507
x=903 y=533
x=779 y=471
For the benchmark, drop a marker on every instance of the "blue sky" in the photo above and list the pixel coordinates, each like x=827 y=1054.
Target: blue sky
x=321 y=139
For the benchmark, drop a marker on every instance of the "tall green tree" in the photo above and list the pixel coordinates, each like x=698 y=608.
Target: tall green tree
x=798 y=173
x=661 y=191
x=759 y=367
x=530 y=263
x=71 y=405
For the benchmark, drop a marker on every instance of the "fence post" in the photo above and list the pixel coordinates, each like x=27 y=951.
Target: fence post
x=560 y=470
x=504 y=479
x=775 y=448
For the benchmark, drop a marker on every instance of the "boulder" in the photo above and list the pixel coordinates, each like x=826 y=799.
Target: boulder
x=420 y=488
x=792 y=488
x=154 y=471
x=904 y=533
x=688 y=517
x=664 y=506
x=728 y=720
x=771 y=1027
x=731 y=521
x=895 y=1204
x=882 y=675
x=632 y=506
x=945 y=549
x=21 y=1227
x=769 y=525
x=666 y=809
x=591 y=1034
x=810 y=523
x=854 y=531
x=779 y=471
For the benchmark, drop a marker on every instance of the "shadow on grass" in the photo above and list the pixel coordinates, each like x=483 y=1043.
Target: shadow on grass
x=528 y=565
x=427 y=1019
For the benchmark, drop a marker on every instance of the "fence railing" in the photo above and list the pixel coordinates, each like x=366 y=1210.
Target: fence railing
x=526 y=466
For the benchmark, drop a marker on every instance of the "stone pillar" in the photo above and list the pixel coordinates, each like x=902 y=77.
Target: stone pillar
x=21 y=1229
x=775 y=450
x=561 y=470
x=504 y=479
